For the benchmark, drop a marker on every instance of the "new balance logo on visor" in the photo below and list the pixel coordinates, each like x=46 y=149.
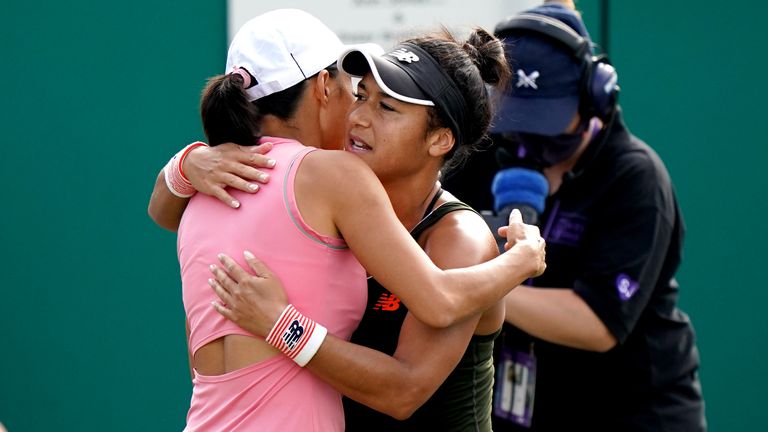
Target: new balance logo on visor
x=528 y=81
x=387 y=302
x=293 y=334
x=404 y=55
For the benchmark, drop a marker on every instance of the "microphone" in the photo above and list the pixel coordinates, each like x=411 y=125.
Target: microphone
x=517 y=188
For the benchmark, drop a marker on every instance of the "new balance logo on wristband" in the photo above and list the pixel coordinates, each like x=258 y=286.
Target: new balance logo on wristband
x=293 y=334
x=297 y=336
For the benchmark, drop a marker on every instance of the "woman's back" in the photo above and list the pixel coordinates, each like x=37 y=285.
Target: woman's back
x=321 y=277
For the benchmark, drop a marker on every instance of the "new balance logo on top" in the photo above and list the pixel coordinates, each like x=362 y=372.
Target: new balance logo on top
x=293 y=334
x=387 y=302
x=524 y=80
x=404 y=56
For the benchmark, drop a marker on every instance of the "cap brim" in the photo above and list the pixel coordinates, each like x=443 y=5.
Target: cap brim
x=391 y=78
x=546 y=116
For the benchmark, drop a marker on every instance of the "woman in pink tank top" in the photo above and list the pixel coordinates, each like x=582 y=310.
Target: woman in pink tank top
x=316 y=198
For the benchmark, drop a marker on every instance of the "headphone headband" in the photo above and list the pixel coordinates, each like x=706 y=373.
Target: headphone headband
x=553 y=28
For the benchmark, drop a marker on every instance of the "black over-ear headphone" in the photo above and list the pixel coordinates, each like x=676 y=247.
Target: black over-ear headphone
x=599 y=88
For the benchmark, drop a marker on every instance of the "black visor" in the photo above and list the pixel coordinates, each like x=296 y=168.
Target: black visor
x=389 y=75
x=410 y=74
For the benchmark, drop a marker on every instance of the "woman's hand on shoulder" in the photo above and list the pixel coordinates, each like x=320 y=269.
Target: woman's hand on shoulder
x=212 y=169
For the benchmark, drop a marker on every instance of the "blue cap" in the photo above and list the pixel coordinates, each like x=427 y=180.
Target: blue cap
x=543 y=95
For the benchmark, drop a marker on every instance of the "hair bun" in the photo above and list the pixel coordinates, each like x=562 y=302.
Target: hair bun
x=487 y=52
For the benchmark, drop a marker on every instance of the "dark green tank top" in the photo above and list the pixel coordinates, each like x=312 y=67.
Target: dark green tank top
x=463 y=401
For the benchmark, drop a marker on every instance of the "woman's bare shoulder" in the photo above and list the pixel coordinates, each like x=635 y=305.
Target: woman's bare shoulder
x=461 y=237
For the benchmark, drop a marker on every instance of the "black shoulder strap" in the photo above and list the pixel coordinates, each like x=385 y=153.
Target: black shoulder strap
x=432 y=203
x=437 y=214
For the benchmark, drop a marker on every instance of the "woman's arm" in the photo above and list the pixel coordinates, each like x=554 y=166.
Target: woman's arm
x=363 y=214
x=211 y=170
x=558 y=315
x=165 y=208
x=425 y=356
x=395 y=385
x=358 y=205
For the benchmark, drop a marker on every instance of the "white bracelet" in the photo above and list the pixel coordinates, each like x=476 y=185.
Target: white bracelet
x=174 y=175
x=296 y=335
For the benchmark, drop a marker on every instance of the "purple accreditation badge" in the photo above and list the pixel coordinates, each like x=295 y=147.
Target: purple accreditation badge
x=515 y=386
x=626 y=287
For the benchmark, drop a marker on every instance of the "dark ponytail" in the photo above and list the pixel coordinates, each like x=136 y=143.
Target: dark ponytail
x=227 y=114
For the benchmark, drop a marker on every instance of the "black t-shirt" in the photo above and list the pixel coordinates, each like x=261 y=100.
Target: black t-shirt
x=614 y=234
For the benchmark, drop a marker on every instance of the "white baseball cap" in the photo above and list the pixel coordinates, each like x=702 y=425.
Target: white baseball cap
x=281 y=48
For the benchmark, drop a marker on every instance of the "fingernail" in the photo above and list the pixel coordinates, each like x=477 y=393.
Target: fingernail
x=210 y=282
x=220 y=257
x=248 y=255
x=271 y=163
x=253 y=187
x=212 y=267
x=235 y=204
x=263 y=177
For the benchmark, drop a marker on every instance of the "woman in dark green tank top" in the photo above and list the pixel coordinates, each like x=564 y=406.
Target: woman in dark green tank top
x=407 y=143
x=463 y=401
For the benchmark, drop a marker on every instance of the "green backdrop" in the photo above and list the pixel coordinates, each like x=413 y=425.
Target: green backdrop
x=97 y=95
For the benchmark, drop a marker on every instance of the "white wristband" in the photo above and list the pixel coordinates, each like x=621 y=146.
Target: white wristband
x=296 y=335
x=180 y=188
x=174 y=176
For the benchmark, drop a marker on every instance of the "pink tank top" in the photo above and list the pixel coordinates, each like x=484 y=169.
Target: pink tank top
x=321 y=277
